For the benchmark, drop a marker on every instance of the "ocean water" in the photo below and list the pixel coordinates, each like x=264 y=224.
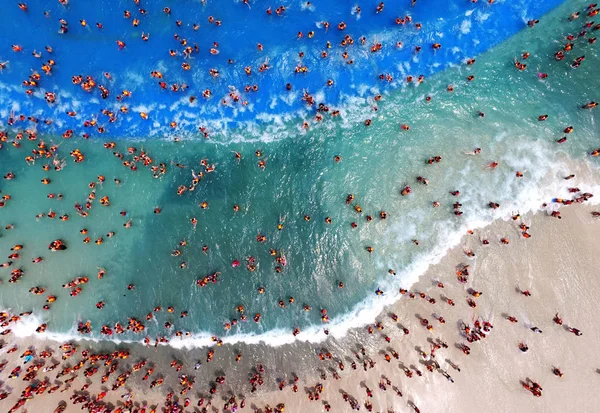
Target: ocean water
x=300 y=178
x=463 y=29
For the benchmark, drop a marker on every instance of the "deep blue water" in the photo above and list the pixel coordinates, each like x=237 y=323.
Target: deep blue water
x=464 y=29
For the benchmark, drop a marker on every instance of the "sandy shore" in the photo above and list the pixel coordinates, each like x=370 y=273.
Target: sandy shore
x=557 y=265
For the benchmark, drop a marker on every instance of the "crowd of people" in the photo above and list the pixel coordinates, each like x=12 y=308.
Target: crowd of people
x=73 y=363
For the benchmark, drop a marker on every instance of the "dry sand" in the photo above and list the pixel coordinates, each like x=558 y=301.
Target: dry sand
x=558 y=265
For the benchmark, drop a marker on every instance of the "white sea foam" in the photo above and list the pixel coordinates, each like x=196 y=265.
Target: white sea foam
x=144 y=108
x=465 y=26
x=134 y=79
x=481 y=17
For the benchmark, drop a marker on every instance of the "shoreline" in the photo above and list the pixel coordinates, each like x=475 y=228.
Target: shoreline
x=491 y=306
x=370 y=308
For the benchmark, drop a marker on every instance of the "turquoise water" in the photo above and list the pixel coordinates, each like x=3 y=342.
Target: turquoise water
x=301 y=178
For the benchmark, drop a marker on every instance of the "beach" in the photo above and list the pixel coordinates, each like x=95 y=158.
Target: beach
x=556 y=265
x=228 y=206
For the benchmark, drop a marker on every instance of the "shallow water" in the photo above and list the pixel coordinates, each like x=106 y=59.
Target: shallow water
x=301 y=178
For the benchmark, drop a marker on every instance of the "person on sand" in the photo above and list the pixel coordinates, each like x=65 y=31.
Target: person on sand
x=536 y=330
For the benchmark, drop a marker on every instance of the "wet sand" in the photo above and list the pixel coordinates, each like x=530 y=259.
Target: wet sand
x=557 y=265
